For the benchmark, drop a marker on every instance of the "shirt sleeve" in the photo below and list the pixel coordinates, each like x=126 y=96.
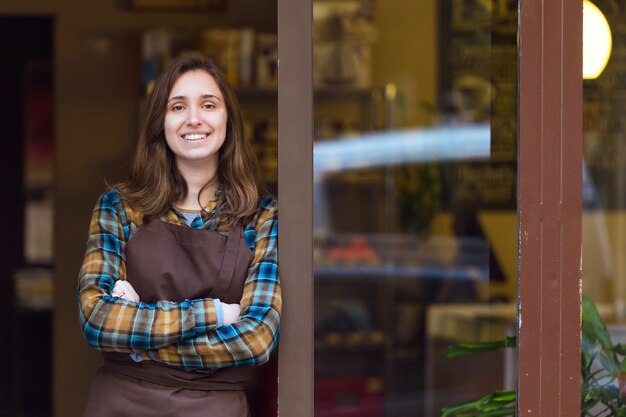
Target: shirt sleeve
x=112 y=324
x=251 y=339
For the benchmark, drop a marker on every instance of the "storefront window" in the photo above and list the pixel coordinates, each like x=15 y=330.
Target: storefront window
x=604 y=191
x=415 y=224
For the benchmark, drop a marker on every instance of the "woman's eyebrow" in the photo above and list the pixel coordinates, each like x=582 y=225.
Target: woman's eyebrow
x=207 y=96
x=176 y=98
x=204 y=97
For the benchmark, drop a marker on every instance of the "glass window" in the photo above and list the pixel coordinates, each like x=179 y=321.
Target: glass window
x=604 y=201
x=415 y=223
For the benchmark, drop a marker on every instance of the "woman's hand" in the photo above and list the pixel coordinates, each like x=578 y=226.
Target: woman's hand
x=231 y=313
x=125 y=291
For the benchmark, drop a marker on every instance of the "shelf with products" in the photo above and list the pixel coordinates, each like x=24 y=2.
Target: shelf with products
x=343 y=32
x=347 y=93
x=350 y=340
x=360 y=336
x=399 y=271
x=400 y=256
x=249 y=58
x=388 y=298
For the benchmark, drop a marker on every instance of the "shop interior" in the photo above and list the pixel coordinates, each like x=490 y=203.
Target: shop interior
x=415 y=220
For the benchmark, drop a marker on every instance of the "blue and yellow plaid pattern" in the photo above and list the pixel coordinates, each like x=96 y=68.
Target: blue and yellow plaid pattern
x=182 y=334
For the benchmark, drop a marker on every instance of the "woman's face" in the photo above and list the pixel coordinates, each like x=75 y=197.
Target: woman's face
x=195 y=120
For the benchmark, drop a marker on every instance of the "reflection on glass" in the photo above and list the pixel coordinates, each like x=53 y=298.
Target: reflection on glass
x=415 y=202
x=604 y=189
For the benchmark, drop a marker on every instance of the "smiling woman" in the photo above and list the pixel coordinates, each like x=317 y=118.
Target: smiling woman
x=179 y=286
x=195 y=122
x=160 y=166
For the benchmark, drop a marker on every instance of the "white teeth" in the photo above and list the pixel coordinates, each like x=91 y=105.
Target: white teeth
x=197 y=136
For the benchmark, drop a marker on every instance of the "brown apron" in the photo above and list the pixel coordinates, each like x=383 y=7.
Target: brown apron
x=170 y=262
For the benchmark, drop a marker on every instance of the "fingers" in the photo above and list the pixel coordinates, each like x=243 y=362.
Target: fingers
x=118 y=291
x=231 y=313
x=130 y=291
x=125 y=291
x=236 y=309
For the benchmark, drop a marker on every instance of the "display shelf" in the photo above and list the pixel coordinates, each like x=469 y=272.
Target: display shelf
x=369 y=271
x=325 y=92
x=359 y=339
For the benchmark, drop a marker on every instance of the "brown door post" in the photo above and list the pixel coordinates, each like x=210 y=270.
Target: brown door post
x=295 y=192
x=550 y=189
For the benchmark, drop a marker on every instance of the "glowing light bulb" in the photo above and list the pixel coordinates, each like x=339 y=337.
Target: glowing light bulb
x=597 y=41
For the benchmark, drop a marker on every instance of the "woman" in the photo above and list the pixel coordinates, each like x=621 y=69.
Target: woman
x=179 y=286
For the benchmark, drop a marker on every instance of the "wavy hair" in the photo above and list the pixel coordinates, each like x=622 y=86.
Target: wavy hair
x=156 y=184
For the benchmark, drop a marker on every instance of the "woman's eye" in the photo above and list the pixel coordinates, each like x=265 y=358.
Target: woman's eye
x=177 y=107
x=208 y=106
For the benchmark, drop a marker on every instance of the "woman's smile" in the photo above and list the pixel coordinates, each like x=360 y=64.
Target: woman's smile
x=194 y=137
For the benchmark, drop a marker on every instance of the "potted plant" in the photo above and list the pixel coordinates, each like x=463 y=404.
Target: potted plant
x=603 y=371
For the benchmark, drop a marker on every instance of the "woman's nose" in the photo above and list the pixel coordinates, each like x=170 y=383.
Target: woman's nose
x=192 y=117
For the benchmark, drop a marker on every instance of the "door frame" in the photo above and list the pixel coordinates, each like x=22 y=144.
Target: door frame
x=295 y=191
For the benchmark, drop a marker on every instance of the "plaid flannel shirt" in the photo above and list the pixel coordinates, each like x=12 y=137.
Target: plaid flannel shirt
x=183 y=334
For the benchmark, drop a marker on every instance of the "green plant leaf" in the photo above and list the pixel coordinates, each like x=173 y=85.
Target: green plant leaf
x=502 y=412
x=613 y=392
x=587 y=352
x=588 y=401
x=485 y=406
x=504 y=396
x=589 y=395
x=620 y=349
x=593 y=327
x=461 y=349
x=608 y=363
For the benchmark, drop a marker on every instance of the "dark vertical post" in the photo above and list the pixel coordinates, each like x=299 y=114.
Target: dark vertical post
x=295 y=192
x=550 y=188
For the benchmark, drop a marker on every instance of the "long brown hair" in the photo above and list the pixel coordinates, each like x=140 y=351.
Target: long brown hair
x=156 y=184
